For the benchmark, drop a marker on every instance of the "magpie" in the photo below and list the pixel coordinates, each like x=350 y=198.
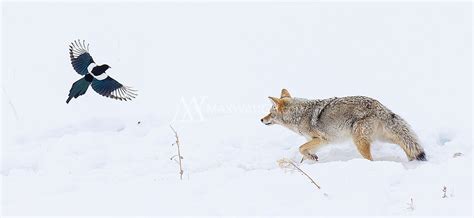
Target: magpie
x=94 y=75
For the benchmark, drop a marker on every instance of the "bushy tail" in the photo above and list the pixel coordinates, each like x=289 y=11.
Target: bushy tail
x=400 y=133
x=78 y=88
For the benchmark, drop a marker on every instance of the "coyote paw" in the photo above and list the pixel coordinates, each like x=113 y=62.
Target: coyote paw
x=309 y=157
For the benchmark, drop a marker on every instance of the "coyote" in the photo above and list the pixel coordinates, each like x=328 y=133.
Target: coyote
x=331 y=120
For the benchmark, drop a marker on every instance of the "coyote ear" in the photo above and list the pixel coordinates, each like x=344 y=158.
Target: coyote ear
x=285 y=94
x=275 y=101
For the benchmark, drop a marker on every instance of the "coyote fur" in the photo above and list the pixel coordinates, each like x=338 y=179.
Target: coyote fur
x=335 y=119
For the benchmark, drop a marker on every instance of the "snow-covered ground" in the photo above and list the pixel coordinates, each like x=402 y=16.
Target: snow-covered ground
x=207 y=69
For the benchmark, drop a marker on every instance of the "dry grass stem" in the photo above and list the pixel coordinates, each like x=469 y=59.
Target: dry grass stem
x=288 y=164
x=179 y=153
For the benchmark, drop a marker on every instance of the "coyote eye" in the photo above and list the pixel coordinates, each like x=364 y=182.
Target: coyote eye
x=273 y=111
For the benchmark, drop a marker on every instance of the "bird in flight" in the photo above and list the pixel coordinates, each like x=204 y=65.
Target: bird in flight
x=94 y=75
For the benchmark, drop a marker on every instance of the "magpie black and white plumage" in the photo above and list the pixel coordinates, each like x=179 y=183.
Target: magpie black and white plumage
x=94 y=75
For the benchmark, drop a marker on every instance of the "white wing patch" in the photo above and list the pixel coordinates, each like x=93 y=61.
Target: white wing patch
x=101 y=76
x=90 y=67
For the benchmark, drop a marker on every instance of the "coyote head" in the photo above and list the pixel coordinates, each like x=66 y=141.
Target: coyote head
x=277 y=111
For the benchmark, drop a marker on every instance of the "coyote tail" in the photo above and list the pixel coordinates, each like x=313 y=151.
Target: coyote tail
x=401 y=133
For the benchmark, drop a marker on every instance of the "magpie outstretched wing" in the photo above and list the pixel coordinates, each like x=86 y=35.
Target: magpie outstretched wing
x=80 y=57
x=109 y=87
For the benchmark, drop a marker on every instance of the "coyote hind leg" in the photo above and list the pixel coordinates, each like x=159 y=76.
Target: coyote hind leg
x=362 y=133
x=363 y=146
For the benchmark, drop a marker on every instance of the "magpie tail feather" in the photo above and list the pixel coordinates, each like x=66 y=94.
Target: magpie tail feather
x=79 y=88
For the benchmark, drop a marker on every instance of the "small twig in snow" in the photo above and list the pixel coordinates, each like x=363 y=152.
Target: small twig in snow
x=457 y=154
x=179 y=153
x=444 y=192
x=10 y=103
x=286 y=164
x=411 y=206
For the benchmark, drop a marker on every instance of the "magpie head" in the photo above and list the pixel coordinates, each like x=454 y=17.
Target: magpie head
x=106 y=66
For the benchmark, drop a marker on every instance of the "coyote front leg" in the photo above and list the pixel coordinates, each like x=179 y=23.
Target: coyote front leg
x=314 y=143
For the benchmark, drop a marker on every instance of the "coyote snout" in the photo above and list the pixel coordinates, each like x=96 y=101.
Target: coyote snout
x=328 y=120
x=267 y=120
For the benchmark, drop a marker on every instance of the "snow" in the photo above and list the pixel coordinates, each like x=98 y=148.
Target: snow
x=207 y=69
